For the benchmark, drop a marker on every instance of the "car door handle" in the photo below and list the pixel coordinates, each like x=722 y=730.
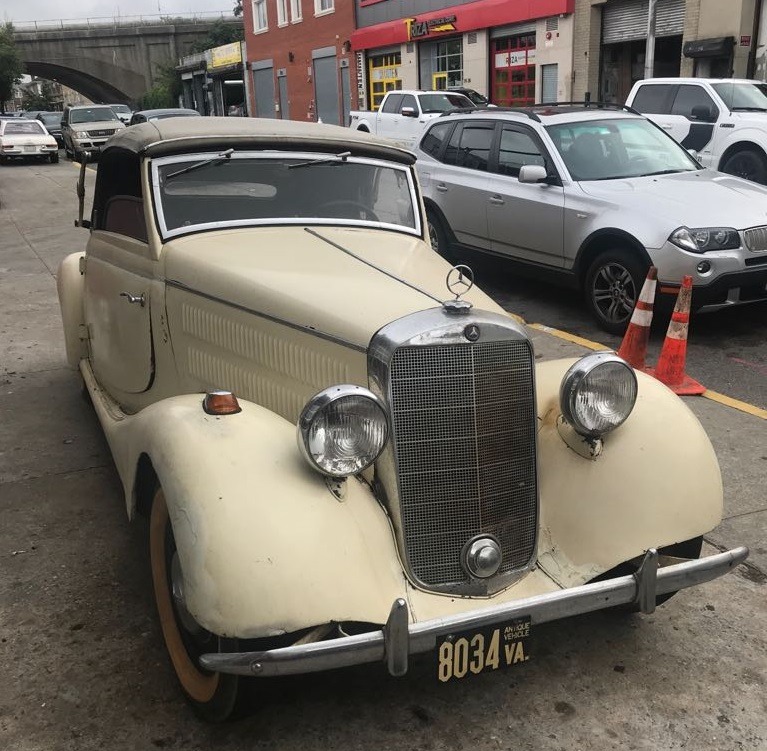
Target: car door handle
x=134 y=299
x=497 y=200
x=441 y=187
x=667 y=127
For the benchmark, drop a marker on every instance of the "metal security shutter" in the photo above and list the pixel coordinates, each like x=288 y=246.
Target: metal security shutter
x=626 y=20
x=549 y=75
x=507 y=31
x=326 y=90
x=263 y=86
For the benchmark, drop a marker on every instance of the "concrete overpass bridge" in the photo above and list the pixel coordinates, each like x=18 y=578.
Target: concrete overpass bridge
x=110 y=60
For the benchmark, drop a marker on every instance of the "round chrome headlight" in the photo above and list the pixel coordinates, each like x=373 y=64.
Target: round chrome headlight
x=598 y=393
x=342 y=430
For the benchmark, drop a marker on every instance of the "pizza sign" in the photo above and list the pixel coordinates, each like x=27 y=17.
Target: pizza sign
x=416 y=28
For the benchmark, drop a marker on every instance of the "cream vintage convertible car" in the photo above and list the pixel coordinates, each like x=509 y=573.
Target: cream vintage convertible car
x=346 y=453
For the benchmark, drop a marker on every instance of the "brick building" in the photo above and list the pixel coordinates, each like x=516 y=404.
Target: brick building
x=299 y=64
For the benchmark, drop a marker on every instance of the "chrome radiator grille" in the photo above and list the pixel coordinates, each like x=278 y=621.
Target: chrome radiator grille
x=463 y=423
x=756 y=238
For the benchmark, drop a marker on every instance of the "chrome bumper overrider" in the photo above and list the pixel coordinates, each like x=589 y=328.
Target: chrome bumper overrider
x=398 y=639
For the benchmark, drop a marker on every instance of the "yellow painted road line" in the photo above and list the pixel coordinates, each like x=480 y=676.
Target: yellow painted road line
x=569 y=337
x=714 y=396
x=728 y=401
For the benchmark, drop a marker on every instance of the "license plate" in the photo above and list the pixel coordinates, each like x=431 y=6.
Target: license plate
x=473 y=652
x=30 y=148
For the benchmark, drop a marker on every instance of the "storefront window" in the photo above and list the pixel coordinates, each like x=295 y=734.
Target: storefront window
x=384 y=76
x=449 y=62
x=514 y=70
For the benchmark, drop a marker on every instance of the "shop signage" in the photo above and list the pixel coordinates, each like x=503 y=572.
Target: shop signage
x=745 y=41
x=226 y=54
x=416 y=28
x=514 y=59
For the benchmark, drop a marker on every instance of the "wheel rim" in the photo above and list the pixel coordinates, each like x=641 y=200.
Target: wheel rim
x=198 y=684
x=614 y=292
x=745 y=166
x=433 y=237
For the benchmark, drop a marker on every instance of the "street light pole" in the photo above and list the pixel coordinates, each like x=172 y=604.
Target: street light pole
x=649 y=55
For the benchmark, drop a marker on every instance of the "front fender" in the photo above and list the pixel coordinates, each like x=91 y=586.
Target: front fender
x=70 y=284
x=265 y=546
x=656 y=482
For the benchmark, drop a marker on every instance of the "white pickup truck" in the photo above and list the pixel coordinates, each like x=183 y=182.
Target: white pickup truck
x=403 y=115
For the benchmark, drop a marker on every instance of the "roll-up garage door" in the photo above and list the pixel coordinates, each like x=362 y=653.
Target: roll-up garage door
x=626 y=20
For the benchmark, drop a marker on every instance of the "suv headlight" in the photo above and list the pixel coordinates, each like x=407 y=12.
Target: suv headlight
x=703 y=239
x=81 y=134
x=598 y=393
x=342 y=430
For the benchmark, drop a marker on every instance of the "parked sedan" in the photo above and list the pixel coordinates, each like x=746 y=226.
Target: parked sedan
x=52 y=123
x=26 y=139
x=144 y=116
x=593 y=196
x=346 y=453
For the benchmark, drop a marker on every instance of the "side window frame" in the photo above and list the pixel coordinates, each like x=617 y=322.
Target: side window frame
x=668 y=99
x=460 y=126
x=548 y=162
x=440 y=153
x=712 y=102
x=395 y=109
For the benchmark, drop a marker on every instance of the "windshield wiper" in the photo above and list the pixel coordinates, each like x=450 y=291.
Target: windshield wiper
x=343 y=156
x=665 y=172
x=749 y=109
x=213 y=160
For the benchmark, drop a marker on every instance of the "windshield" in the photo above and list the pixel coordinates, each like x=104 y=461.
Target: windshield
x=443 y=102
x=121 y=108
x=27 y=128
x=614 y=149
x=743 y=96
x=92 y=115
x=246 y=189
x=54 y=119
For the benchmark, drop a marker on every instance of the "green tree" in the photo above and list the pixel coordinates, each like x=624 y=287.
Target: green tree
x=237 y=10
x=220 y=33
x=43 y=101
x=11 y=65
x=166 y=89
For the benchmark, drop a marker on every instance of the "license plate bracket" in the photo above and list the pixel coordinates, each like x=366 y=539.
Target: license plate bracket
x=475 y=651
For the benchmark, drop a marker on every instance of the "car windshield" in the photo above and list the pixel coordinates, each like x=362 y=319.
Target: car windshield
x=26 y=128
x=443 y=102
x=245 y=189
x=743 y=96
x=618 y=148
x=52 y=119
x=121 y=108
x=92 y=115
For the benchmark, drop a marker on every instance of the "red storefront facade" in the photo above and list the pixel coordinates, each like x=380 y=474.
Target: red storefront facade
x=496 y=46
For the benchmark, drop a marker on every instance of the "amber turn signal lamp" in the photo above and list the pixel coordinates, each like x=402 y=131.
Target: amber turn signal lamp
x=221 y=403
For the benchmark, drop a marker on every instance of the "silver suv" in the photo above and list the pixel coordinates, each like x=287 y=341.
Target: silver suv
x=87 y=128
x=596 y=194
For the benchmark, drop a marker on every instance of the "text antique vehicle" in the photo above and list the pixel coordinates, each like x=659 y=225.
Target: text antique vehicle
x=342 y=460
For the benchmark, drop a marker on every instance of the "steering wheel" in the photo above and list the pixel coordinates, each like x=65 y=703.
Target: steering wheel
x=349 y=209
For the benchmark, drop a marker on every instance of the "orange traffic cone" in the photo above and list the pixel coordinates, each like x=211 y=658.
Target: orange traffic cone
x=633 y=348
x=670 y=369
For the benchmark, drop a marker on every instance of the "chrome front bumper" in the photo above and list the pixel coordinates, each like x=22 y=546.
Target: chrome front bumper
x=398 y=639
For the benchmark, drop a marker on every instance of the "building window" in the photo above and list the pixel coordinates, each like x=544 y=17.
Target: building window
x=259 y=16
x=449 y=64
x=514 y=71
x=323 y=6
x=295 y=11
x=384 y=76
x=282 y=12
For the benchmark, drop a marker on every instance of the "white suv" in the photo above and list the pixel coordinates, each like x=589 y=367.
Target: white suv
x=723 y=119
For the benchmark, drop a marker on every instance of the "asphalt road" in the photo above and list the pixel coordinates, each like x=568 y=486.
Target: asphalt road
x=80 y=650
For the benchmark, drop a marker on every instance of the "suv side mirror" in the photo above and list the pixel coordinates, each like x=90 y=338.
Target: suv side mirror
x=703 y=113
x=533 y=173
x=408 y=112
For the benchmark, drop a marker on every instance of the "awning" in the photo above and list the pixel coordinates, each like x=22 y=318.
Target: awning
x=716 y=47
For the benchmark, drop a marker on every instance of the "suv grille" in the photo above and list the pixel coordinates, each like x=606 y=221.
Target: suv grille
x=463 y=424
x=101 y=133
x=756 y=238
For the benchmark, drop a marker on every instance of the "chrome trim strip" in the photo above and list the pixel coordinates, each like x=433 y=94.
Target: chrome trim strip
x=267 y=316
x=422 y=637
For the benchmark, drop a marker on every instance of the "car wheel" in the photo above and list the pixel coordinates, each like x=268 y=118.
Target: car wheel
x=213 y=696
x=438 y=235
x=749 y=164
x=613 y=283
